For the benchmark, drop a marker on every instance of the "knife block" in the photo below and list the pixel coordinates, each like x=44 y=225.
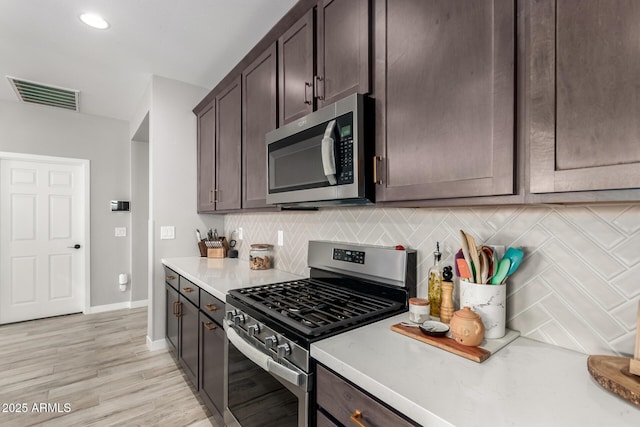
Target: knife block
x=634 y=364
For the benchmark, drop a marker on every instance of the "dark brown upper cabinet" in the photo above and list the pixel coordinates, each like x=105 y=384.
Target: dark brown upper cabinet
x=338 y=66
x=295 y=66
x=228 y=147
x=259 y=116
x=343 y=58
x=444 y=85
x=206 y=158
x=584 y=108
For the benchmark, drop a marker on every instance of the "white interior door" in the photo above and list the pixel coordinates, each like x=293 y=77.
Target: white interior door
x=42 y=220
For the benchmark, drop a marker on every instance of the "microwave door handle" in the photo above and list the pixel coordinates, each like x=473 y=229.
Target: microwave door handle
x=328 y=153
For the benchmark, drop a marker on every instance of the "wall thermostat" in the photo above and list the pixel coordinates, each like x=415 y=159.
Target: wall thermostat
x=119 y=206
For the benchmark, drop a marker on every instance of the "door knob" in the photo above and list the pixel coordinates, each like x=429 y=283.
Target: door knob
x=76 y=246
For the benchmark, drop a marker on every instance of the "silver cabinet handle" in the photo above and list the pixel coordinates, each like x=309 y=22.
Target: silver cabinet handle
x=306 y=98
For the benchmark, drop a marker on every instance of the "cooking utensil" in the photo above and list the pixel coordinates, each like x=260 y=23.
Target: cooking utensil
x=501 y=272
x=484 y=267
x=198 y=235
x=515 y=256
x=465 y=252
x=491 y=257
x=463 y=269
x=473 y=253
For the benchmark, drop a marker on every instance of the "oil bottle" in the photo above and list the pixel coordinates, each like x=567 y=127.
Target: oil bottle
x=435 y=283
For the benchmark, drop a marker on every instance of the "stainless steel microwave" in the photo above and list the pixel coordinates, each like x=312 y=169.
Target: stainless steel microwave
x=324 y=158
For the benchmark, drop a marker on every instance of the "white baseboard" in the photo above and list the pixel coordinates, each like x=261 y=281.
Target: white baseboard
x=116 y=306
x=156 y=345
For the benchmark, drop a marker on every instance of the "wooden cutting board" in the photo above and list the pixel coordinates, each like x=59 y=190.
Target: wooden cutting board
x=612 y=373
x=477 y=354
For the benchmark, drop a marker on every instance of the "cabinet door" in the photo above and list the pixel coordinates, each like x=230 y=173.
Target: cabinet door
x=296 y=68
x=445 y=98
x=342 y=49
x=229 y=147
x=188 y=339
x=259 y=116
x=584 y=101
x=206 y=159
x=172 y=319
x=342 y=400
x=212 y=339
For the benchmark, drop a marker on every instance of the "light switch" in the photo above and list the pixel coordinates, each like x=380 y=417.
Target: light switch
x=167 y=232
x=121 y=232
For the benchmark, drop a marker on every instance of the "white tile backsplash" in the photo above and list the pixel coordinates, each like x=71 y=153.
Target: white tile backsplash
x=578 y=286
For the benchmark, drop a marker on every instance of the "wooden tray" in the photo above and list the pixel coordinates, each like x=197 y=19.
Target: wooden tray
x=477 y=354
x=612 y=373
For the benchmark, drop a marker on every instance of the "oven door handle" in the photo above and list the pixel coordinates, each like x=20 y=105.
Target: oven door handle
x=264 y=361
x=252 y=353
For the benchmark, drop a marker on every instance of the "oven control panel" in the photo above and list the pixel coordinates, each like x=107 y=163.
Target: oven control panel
x=345 y=255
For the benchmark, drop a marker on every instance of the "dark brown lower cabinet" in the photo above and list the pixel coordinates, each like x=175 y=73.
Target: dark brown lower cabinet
x=348 y=405
x=172 y=319
x=188 y=339
x=212 y=364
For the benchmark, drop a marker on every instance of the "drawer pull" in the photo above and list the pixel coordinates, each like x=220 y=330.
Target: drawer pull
x=355 y=418
x=187 y=290
x=211 y=307
x=209 y=326
x=171 y=277
x=376 y=159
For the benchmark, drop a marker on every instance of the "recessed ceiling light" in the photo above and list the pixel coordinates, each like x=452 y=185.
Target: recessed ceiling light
x=95 y=21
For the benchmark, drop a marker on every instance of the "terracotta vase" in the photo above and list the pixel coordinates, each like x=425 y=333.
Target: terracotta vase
x=467 y=327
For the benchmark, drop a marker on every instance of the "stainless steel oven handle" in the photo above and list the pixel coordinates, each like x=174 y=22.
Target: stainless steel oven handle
x=328 y=153
x=252 y=353
x=285 y=373
x=264 y=361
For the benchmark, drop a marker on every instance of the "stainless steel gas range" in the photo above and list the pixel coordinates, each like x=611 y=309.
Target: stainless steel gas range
x=269 y=374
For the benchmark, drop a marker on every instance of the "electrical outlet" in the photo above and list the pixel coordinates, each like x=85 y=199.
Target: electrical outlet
x=121 y=232
x=280 y=238
x=240 y=233
x=167 y=232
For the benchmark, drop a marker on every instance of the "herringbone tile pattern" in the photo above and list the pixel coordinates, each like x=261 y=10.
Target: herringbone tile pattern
x=578 y=286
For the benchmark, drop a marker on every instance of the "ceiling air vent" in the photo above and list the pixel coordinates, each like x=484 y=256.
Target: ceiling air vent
x=40 y=93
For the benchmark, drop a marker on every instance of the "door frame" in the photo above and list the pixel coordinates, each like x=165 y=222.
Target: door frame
x=86 y=169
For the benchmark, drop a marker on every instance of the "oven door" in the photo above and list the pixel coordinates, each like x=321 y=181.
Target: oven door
x=259 y=391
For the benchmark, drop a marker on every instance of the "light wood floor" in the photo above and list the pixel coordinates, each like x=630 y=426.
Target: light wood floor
x=98 y=366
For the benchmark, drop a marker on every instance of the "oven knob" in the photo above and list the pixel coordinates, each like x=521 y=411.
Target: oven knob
x=271 y=341
x=239 y=319
x=284 y=350
x=253 y=330
x=230 y=314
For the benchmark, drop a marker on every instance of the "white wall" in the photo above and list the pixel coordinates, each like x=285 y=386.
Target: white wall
x=173 y=171
x=41 y=130
x=139 y=219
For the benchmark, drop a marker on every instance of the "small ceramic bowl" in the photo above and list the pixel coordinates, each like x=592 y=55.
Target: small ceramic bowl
x=434 y=328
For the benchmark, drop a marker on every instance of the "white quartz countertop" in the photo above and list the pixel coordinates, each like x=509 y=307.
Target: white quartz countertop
x=527 y=383
x=219 y=275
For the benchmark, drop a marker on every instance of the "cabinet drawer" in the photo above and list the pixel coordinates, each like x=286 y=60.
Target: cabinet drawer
x=212 y=306
x=171 y=277
x=342 y=400
x=190 y=291
x=324 y=421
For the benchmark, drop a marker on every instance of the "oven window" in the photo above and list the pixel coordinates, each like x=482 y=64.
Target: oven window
x=255 y=397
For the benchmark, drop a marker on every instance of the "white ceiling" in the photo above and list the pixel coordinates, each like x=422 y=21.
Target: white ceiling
x=194 y=41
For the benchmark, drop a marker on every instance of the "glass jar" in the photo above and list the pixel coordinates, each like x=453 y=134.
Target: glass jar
x=261 y=256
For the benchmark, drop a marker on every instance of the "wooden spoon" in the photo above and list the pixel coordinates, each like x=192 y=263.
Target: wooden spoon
x=473 y=252
x=465 y=252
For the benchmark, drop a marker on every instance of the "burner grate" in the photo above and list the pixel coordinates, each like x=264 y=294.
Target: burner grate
x=315 y=307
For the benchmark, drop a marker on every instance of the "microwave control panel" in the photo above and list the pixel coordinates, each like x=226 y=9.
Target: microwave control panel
x=344 y=156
